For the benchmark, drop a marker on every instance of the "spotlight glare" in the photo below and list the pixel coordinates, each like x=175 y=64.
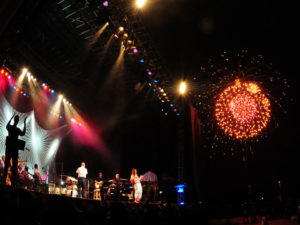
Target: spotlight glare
x=135 y=51
x=140 y=3
x=182 y=88
x=105 y=3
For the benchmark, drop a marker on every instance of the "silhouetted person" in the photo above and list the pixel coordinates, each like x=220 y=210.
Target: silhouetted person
x=12 y=147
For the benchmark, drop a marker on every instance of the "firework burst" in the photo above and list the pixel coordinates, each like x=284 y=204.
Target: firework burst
x=239 y=99
x=242 y=110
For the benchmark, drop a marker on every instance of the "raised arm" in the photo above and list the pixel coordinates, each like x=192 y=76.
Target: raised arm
x=7 y=125
x=24 y=130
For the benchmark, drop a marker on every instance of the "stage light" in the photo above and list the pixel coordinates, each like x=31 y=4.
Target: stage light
x=149 y=72
x=52 y=91
x=43 y=84
x=121 y=29
x=182 y=88
x=142 y=61
x=155 y=81
x=24 y=94
x=135 y=51
x=2 y=71
x=21 y=77
x=105 y=3
x=140 y=3
x=171 y=105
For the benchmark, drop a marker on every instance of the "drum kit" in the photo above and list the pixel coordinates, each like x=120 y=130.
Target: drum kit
x=66 y=186
x=119 y=190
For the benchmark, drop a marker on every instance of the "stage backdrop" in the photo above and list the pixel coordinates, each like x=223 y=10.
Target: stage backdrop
x=41 y=145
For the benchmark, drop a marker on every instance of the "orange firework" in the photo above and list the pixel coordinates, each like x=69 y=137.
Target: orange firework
x=242 y=110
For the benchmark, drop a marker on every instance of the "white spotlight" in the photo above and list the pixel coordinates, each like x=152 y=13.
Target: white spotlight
x=182 y=88
x=140 y=3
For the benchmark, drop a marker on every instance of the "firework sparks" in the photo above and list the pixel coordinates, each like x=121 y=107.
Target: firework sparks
x=242 y=110
x=239 y=99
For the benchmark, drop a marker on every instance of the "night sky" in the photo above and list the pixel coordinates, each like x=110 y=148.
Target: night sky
x=186 y=34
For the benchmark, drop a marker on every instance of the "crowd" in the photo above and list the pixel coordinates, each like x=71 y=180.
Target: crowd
x=38 y=208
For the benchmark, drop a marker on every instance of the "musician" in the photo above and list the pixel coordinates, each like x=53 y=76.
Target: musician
x=26 y=179
x=99 y=180
x=25 y=174
x=116 y=180
x=99 y=184
x=136 y=181
x=115 y=188
x=2 y=162
x=36 y=173
x=36 y=178
x=12 y=147
x=82 y=172
x=2 y=165
x=150 y=186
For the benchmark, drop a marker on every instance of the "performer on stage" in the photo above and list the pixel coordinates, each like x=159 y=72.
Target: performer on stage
x=98 y=187
x=99 y=181
x=82 y=172
x=150 y=185
x=12 y=148
x=136 y=181
x=26 y=179
x=2 y=165
x=37 y=178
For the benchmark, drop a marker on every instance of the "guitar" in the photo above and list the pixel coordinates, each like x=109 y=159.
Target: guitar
x=98 y=184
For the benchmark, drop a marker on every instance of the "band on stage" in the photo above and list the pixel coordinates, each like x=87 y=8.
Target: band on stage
x=14 y=172
x=81 y=187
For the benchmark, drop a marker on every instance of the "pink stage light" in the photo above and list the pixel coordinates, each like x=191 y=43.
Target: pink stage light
x=105 y=3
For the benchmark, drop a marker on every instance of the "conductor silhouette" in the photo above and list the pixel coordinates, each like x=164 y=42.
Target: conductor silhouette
x=13 y=145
